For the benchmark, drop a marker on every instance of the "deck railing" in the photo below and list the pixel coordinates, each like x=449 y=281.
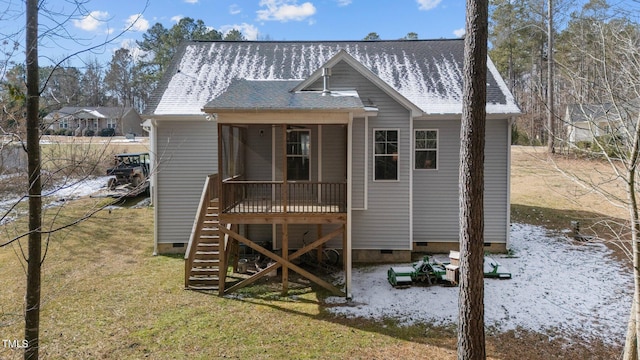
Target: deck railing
x=274 y=197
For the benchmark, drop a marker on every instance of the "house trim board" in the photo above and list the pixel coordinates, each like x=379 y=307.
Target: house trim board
x=348 y=258
x=508 y=233
x=411 y=162
x=365 y=132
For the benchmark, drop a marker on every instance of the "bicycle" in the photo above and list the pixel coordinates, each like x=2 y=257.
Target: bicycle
x=329 y=257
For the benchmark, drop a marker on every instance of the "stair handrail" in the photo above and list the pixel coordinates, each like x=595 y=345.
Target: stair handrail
x=209 y=192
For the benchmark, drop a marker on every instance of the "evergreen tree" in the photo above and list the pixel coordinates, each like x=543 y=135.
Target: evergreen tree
x=120 y=76
x=92 y=85
x=160 y=44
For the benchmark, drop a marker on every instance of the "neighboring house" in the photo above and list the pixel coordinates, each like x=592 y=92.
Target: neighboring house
x=355 y=140
x=124 y=120
x=584 y=122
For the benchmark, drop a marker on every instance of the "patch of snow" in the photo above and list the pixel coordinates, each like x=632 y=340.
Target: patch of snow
x=77 y=188
x=558 y=287
x=54 y=195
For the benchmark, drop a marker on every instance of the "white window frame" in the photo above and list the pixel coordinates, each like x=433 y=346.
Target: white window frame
x=64 y=123
x=112 y=123
x=416 y=150
x=374 y=155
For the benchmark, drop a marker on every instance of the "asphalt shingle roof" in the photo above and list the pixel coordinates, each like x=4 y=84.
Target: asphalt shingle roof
x=426 y=72
x=277 y=95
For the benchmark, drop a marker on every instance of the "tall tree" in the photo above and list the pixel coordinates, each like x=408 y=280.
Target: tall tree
x=160 y=44
x=372 y=36
x=32 y=298
x=551 y=128
x=63 y=86
x=234 y=35
x=614 y=57
x=120 y=77
x=471 y=339
x=411 y=36
x=92 y=85
x=518 y=37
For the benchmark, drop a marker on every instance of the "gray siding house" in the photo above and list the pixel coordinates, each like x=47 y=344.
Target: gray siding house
x=357 y=139
x=586 y=122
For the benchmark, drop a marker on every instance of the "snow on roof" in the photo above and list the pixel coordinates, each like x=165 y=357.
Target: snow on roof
x=426 y=72
x=558 y=288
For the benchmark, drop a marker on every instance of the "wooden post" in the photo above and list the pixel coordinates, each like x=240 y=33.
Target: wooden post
x=221 y=200
x=285 y=255
x=344 y=247
x=285 y=185
x=321 y=247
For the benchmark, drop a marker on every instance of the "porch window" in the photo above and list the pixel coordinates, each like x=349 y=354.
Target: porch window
x=385 y=154
x=233 y=145
x=64 y=123
x=298 y=146
x=111 y=123
x=426 y=149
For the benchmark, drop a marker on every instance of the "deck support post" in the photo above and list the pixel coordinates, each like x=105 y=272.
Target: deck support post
x=319 y=251
x=285 y=255
x=281 y=261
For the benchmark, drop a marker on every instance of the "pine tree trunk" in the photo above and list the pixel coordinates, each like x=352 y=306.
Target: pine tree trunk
x=471 y=337
x=32 y=308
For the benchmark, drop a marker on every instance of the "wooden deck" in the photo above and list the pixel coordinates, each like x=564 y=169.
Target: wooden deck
x=215 y=234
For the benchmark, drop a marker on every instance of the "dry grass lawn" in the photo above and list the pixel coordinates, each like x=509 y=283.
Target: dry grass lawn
x=106 y=297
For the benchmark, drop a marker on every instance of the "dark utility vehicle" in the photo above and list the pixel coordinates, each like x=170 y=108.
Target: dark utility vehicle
x=130 y=172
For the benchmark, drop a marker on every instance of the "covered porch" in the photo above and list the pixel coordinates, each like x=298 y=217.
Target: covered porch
x=273 y=180
x=297 y=181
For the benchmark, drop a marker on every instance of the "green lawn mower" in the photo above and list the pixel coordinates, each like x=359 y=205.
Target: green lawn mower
x=430 y=272
x=427 y=271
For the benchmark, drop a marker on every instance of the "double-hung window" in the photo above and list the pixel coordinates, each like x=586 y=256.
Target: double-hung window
x=426 y=149
x=385 y=154
x=111 y=123
x=298 y=154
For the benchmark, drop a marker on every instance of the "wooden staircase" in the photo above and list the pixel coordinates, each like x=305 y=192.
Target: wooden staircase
x=204 y=273
x=205 y=258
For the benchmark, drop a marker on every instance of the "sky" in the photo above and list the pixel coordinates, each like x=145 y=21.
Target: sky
x=100 y=20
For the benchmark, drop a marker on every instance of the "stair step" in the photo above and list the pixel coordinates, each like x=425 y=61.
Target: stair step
x=194 y=280
x=205 y=262
x=207 y=255
x=208 y=287
x=204 y=271
x=209 y=235
x=209 y=245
